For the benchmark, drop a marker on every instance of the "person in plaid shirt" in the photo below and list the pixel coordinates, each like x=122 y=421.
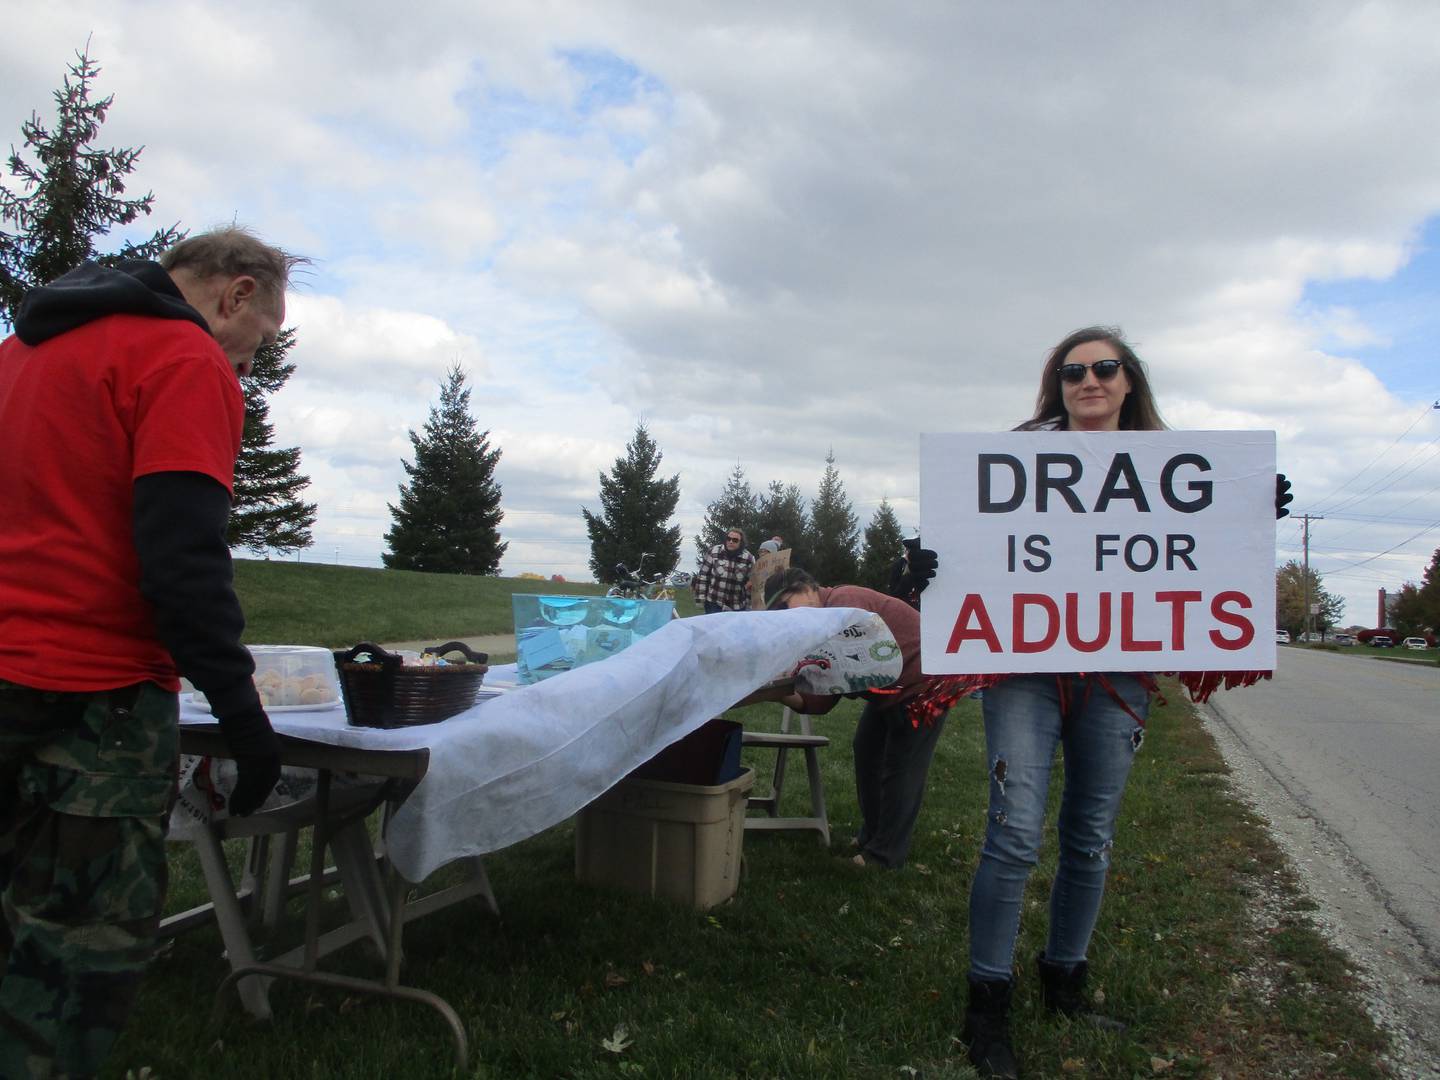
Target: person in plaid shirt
x=723 y=581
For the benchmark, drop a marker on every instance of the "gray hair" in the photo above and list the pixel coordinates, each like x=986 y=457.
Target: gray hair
x=233 y=251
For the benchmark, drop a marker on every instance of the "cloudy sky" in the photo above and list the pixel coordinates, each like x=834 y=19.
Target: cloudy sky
x=772 y=230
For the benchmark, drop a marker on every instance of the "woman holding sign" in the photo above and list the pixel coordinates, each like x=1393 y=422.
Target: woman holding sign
x=1092 y=381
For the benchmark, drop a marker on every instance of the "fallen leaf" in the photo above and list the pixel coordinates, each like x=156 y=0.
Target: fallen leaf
x=1160 y=1065
x=647 y=967
x=1071 y=1065
x=619 y=1041
x=558 y=1016
x=613 y=979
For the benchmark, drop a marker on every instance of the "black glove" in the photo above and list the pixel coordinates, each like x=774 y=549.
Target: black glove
x=923 y=563
x=1283 y=498
x=256 y=750
x=910 y=574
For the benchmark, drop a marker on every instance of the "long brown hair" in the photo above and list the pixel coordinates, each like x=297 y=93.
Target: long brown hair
x=1138 y=413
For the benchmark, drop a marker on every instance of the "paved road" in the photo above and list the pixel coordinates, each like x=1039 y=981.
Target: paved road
x=1342 y=753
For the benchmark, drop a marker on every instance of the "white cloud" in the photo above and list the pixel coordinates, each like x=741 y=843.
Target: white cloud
x=772 y=230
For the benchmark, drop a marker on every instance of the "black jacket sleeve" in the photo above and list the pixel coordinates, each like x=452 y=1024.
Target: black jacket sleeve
x=185 y=573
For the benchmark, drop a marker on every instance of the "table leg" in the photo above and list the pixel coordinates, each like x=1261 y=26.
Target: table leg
x=391 y=988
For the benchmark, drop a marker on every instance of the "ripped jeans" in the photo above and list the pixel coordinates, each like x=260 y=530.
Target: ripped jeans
x=1023 y=724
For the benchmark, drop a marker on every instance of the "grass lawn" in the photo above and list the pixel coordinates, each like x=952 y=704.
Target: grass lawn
x=817 y=969
x=337 y=606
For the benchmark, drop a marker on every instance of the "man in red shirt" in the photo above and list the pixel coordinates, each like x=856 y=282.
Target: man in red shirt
x=120 y=421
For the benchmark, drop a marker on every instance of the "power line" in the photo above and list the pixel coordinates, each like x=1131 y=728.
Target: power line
x=1385 y=482
x=1426 y=412
x=1387 y=551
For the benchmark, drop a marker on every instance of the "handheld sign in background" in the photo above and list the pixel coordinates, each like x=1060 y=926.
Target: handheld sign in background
x=1102 y=551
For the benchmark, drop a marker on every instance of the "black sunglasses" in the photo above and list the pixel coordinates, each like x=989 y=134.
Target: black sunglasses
x=1104 y=370
x=733 y=539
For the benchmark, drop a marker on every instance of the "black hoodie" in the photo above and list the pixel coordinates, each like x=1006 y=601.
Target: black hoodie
x=91 y=291
x=180 y=518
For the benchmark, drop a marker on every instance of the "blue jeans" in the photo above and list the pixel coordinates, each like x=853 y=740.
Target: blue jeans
x=1026 y=716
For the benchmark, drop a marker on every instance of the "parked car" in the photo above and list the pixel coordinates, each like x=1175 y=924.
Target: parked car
x=1282 y=637
x=1380 y=641
x=1415 y=643
x=1342 y=639
x=1314 y=637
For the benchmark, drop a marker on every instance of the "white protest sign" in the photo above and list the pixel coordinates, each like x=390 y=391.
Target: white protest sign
x=1099 y=551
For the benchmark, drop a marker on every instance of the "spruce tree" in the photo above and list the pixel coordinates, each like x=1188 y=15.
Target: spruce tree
x=782 y=513
x=835 y=531
x=70 y=193
x=736 y=508
x=268 y=513
x=882 y=548
x=635 y=512
x=448 y=520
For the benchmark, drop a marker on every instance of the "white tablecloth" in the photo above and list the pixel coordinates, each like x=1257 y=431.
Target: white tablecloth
x=521 y=761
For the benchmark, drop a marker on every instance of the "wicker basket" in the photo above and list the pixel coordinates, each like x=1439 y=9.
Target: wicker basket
x=383 y=692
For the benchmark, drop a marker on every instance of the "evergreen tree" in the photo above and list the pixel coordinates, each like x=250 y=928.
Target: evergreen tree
x=782 y=513
x=70 y=193
x=448 y=520
x=635 y=512
x=835 y=529
x=736 y=508
x=882 y=548
x=1290 y=596
x=268 y=513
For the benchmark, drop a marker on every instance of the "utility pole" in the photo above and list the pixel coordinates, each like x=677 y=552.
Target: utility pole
x=1305 y=520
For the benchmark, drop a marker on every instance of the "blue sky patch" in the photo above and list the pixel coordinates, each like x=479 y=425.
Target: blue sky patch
x=1403 y=311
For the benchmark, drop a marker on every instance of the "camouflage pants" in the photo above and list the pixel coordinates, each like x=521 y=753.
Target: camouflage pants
x=86 y=784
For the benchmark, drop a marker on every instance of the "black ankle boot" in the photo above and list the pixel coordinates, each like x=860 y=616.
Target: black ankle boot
x=1062 y=989
x=987 y=1029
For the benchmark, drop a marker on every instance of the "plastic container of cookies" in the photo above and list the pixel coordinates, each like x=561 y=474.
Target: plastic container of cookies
x=292 y=678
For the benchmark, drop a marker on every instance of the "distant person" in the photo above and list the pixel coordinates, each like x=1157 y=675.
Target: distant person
x=774 y=544
x=119 y=393
x=722 y=582
x=899 y=727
